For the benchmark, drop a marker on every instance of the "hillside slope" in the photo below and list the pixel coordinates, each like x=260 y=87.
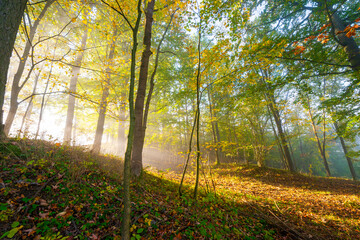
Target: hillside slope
x=48 y=191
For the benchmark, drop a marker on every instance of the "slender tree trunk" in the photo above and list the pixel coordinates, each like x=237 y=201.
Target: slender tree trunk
x=188 y=153
x=213 y=129
x=343 y=145
x=283 y=140
x=281 y=150
x=11 y=12
x=104 y=98
x=75 y=71
x=198 y=78
x=136 y=158
x=321 y=149
x=16 y=87
x=121 y=141
x=275 y=112
x=101 y=120
x=43 y=101
x=186 y=122
x=127 y=160
x=29 y=107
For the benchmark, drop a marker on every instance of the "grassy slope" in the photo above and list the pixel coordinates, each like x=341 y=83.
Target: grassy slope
x=50 y=191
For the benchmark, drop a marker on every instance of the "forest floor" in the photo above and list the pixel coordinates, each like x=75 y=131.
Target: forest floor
x=49 y=191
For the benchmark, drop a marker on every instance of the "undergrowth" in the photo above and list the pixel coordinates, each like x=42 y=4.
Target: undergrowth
x=51 y=191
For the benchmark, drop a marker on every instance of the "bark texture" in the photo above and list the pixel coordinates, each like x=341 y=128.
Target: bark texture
x=11 y=12
x=125 y=225
x=350 y=46
x=136 y=158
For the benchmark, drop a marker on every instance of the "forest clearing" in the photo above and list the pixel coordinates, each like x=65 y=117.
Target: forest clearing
x=55 y=192
x=179 y=119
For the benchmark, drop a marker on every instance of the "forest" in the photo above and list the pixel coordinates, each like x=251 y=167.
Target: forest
x=179 y=119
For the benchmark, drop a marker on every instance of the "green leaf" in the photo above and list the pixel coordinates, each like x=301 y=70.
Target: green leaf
x=3 y=206
x=140 y=230
x=12 y=232
x=4 y=235
x=15 y=224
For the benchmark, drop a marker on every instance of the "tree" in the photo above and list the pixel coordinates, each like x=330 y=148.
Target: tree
x=11 y=12
x=29 y=46
x=269 y=95
x=105 y=94
x=136 y=156
x=75 y=71
x=127 y=161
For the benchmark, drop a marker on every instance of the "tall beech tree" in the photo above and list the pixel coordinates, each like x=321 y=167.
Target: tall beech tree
x=127 y=160
x=11 y=12
x=136 y=156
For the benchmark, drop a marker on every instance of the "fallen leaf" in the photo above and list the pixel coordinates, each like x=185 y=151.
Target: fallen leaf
x=44 y=215
x=43 y=203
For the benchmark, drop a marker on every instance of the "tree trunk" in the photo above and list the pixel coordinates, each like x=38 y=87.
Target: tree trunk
x=269 y=94
x=198 y=79
x=321 y=149
x=121 y=141
x=152 y=81
x=28 y=111
x=350 y=46
x=11 y=12
x=281 y=150
x=215 y=137
x=16 y=87
x=125 y=226
x=136 y=158
x=75 y=71
x=105 y=94
x=283 y=140
x=343 y=145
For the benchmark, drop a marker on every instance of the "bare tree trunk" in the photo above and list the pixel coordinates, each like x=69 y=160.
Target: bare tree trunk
x=75 y=71
x=321 y=149
x=275 y=112
x=11 y=12
x=188 y=153
x=28 y=111
x=104 y=98
x=281 y=150
x=43 y=102
x=16 y=87
x=213 y=129
x=136 y=158
x=125 y=225
x=198 y=79
x=343 y=145
x=284 y=142
x=121 y=141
